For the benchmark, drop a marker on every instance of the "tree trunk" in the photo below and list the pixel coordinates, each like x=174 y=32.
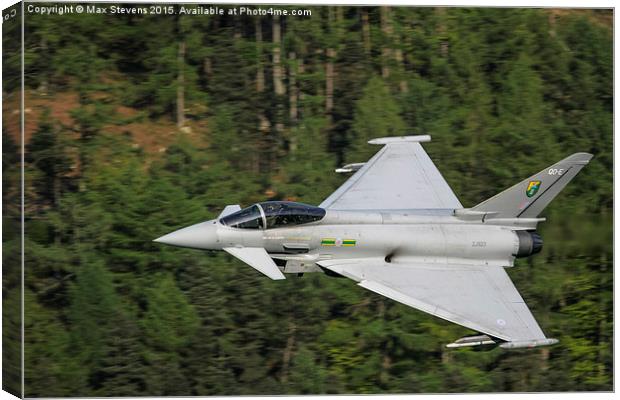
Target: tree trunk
x=288 y=350
x=400 y=60
x=386 y=364
x=44 y=75
x=293 y=91
x=552 y=21
x=339 y=23
x=544 y=357
x=366 y=31
x=260 y=69
x=237 y=27
x=278 y=85
x=301 y=69
x=446 y=356
x=264 y=125
x=293 y=94
x=386 y=51
x=329 y=65
x=277 y=64
x=181 y=86
x=208 y=67
x=329 y=82
x=441 y=29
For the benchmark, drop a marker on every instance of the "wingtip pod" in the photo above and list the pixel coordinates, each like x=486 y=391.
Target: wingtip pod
x=520 y=344
x=397 y=139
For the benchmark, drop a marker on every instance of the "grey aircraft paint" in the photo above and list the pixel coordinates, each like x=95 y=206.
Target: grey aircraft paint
x=396 y=228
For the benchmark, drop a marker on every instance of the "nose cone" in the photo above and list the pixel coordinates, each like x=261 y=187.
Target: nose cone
x=199 y=236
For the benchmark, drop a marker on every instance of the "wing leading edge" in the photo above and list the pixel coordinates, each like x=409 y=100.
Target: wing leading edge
x=400 y=176
x=481 y=298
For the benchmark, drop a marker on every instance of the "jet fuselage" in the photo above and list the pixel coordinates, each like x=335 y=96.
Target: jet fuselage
x=436 y=236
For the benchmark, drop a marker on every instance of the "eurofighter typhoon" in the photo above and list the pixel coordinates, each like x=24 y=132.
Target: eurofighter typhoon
x=396 y=228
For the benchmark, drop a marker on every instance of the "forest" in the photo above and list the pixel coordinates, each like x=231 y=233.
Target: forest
x=137 y=125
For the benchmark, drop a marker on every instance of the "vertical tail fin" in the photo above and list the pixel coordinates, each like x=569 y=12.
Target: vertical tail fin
x=528 y=198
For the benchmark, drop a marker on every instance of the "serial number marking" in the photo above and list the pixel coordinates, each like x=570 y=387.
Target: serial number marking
x=556 y=171
x=478 y=244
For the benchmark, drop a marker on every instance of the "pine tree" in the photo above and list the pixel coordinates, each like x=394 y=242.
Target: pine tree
x=376 y=115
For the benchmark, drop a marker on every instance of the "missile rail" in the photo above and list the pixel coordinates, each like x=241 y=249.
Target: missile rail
x=480 y=340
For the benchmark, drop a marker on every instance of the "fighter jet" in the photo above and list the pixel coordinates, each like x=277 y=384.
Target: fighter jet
x=396 y=228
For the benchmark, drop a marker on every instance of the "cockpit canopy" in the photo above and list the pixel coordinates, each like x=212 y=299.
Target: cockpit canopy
x=273 y=214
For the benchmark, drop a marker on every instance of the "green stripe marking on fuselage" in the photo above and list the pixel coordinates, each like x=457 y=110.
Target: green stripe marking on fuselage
x=338 y=242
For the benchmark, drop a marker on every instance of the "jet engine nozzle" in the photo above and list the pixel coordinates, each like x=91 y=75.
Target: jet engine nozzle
x=529 y=243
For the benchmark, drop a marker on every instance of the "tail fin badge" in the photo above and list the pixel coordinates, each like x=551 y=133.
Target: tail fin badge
x=532 y=188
